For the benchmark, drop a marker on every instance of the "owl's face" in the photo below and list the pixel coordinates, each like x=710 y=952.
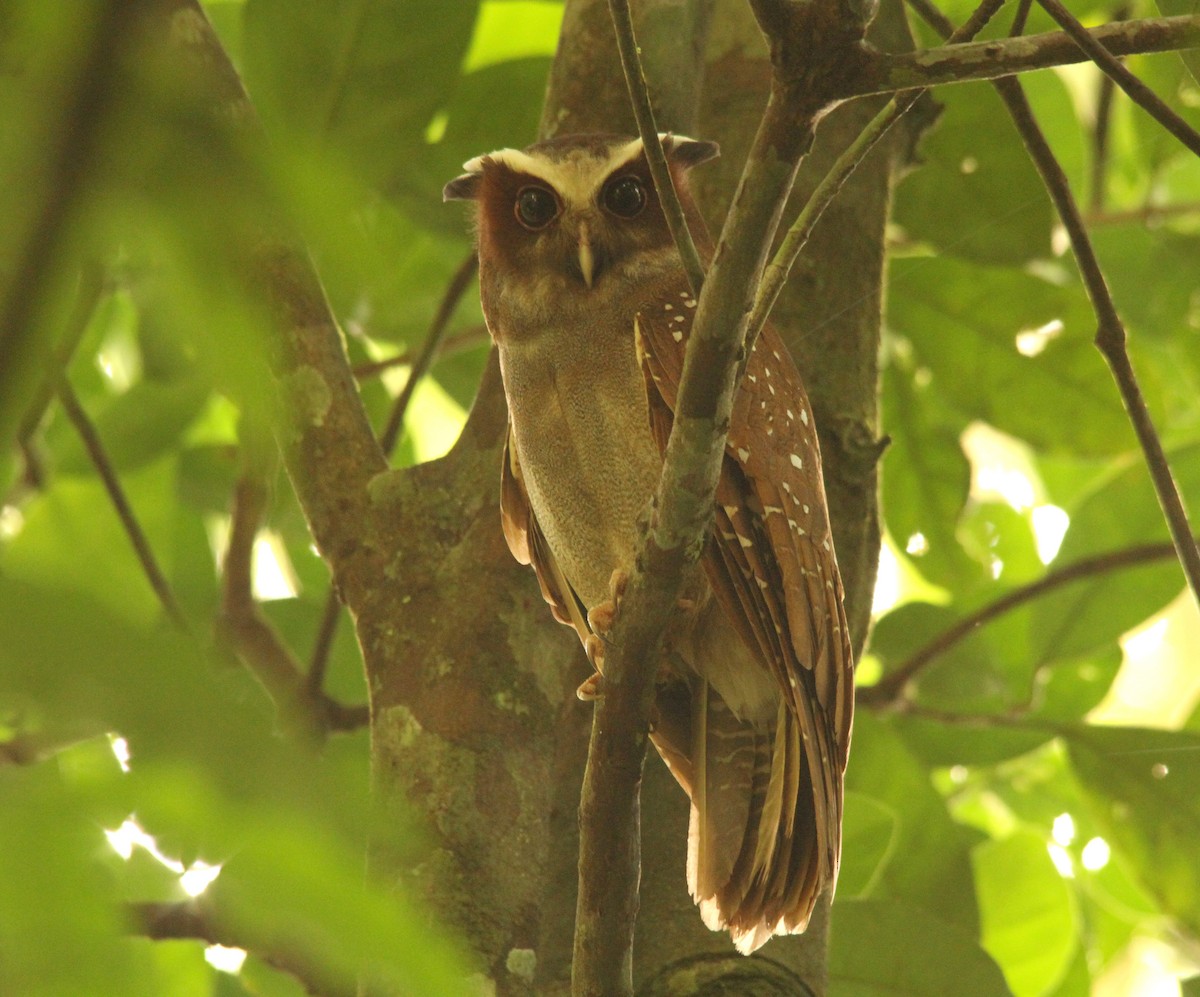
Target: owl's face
x=572 y=220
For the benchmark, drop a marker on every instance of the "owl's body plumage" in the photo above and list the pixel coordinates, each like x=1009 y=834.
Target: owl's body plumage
x=588 y=304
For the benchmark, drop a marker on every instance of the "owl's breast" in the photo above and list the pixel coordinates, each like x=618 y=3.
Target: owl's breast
x=578 y=409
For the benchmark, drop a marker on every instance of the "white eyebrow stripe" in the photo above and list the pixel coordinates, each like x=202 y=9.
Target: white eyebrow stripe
x=577 y=177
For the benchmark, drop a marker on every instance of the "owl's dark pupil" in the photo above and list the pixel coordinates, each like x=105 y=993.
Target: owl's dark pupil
x=625 y=197
x=536 y=207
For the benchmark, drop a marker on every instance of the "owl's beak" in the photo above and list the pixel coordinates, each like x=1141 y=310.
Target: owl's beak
x=587 y=259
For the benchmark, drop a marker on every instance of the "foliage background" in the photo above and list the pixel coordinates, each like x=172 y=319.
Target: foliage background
x=1025 y=819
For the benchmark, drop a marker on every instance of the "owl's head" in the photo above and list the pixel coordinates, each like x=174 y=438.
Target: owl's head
x=570 y=215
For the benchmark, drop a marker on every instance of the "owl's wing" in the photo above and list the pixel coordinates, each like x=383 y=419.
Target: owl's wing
x=528 y=544
x=770 y=559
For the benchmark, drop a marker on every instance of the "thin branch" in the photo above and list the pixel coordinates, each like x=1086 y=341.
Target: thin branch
x=120 y=501
x=994 y=58
x=464 y=339
x=889 y=689
x=643 y=110
x=307 y=713
x=32 y=747
x=1110 y=334
x=655 y=156
x=1147 y=214
x=429 y=350
x=776 y=273
x=1138 y=92
x=1100 y=132
x=196 y=920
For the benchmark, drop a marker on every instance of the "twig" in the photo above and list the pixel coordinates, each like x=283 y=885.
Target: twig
x=776 y=273
x=643 y=110
x=429 y=350
x=1147 y=214
x=116 y=494
x=1100 y=132
x=197 y=920
x=308 y=713
x=462 y=340
x=994 y=58
x=1138 y=92
x=890 y=687
x=1110 y=334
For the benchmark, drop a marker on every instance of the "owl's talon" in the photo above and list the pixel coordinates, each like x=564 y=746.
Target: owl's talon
x=617 y=583
x=600 y=618
x=591 y=688
x=594 y=648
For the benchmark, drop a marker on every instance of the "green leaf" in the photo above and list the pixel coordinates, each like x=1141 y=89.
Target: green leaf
x=364 y=78
x=868 y=838
x=1088 y=616
x=1029 y=923
x=976 y=196
x=884 y=948
x=963 y=323
x=1144 y=786
x=929 y=864
x=926 y=476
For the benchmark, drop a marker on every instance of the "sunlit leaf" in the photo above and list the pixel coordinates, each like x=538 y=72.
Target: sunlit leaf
x=1145 y=789
x=1029 y=924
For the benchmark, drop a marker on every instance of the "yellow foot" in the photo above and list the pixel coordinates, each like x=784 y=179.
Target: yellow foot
x=600 y=618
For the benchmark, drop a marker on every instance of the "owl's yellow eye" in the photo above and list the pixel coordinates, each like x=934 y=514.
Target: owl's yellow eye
x=536 y=207
x=625 y=197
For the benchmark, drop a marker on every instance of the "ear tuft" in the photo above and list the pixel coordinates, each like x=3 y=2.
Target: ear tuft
x=689 y=152
x=464 y=188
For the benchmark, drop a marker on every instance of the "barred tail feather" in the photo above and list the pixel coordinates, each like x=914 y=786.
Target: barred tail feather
x=754 y=865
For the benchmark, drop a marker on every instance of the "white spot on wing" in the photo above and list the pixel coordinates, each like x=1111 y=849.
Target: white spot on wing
x=677 y=335
x=796 y=461
x=743 y=454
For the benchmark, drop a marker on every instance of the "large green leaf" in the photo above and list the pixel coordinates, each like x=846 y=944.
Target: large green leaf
x=930 y=863
x=868 y=838
x=364 y=77
x=925 y=475
x=963 y=324
x=1145 y=789
x=1029 y=923
x=1089 y=615
x=888 y=948
x=976 y=195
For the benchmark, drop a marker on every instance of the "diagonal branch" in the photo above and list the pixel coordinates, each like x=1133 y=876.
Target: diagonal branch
x=643 y=110
x=120 y=501
x=307 y=712
x=776 y=273
x=198 y=920
x=1138 y=92
x=890 y=688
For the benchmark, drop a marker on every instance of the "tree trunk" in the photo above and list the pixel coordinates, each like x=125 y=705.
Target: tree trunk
x=474 y=722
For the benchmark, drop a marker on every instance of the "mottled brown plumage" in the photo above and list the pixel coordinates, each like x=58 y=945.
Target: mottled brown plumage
x=589 y=307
